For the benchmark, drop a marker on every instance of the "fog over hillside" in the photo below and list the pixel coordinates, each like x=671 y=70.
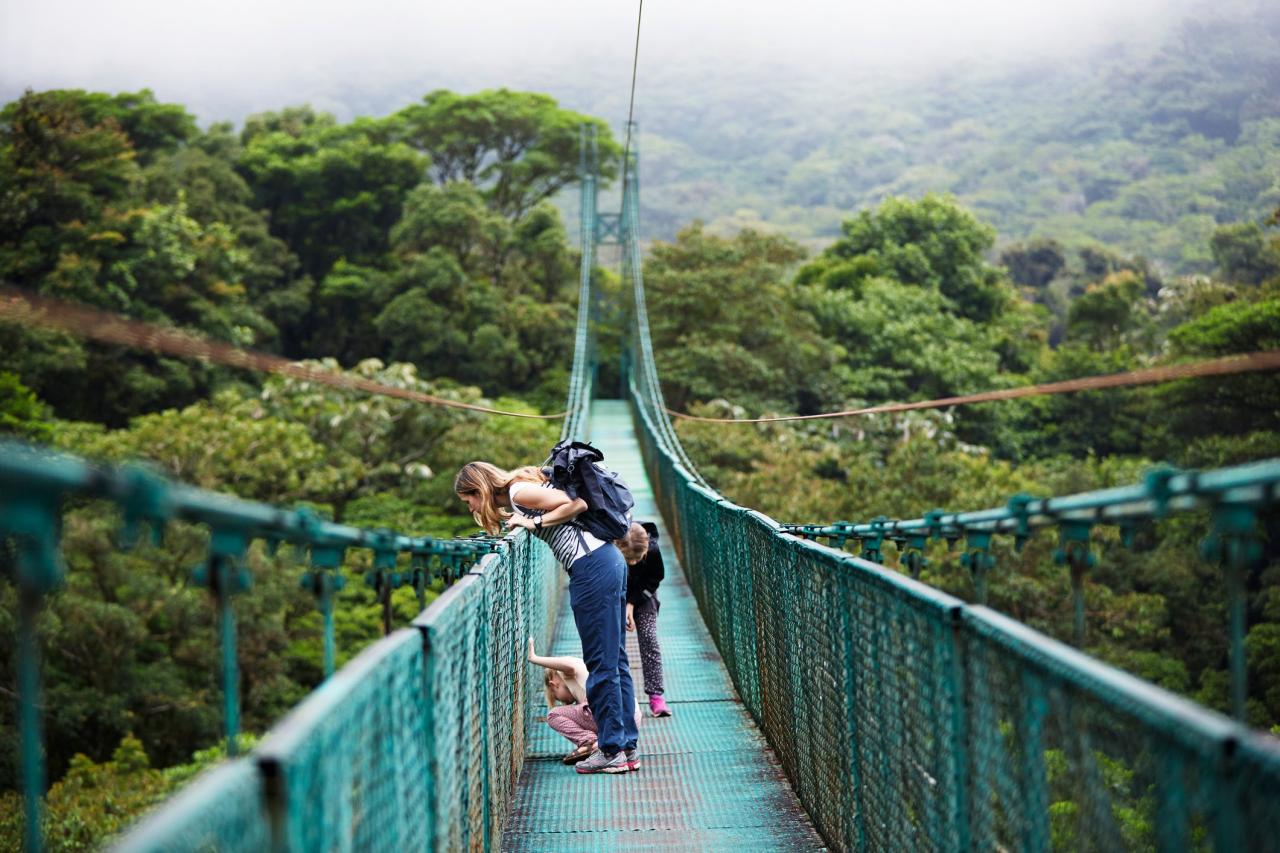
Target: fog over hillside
x=1139 y=125
x=234 y=58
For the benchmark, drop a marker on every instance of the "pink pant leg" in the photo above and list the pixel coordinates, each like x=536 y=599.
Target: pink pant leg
x=574 y=722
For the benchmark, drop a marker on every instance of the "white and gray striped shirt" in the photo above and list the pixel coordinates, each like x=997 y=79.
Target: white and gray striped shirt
x=567 y=540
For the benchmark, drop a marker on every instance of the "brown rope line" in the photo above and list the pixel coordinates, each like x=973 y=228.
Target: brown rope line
x=24 y=308
x=1243 y=363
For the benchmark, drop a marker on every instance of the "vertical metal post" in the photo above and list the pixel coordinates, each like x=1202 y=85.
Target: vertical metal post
x=1033 y=777
x=29 y=720
x=980 y=584
x=913 y=554
x=420 y=568
x=1234 y=543
x=978 y=559
x=1236 y=632
x=853 y=805
x=324 y=581
x=29 y=520
x=1077 y=605
x=384 y=565
x=1073 y=551
x=384 y=595
x=958 y=743
x=230 y=667
x=224 y=576
x=330 y=651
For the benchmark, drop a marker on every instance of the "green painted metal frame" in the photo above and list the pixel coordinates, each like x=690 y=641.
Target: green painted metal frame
x=1234 y=495
x=34 y=484
x=907 y=719
x=414 y=745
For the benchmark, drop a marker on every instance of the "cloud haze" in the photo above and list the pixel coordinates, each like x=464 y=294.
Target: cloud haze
x=228 y=59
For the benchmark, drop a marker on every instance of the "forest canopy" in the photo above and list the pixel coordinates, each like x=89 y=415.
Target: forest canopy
x=1122 y=215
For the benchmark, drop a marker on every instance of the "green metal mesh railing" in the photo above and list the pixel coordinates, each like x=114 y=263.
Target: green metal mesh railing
x=908 y=720
x=357 y=762
x=413 y=745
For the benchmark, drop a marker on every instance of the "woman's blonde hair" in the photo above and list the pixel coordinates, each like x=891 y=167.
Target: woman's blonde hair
x=634 y=544
x=491 y=483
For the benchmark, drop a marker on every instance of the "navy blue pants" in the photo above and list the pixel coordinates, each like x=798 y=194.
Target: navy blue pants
x=597 y=595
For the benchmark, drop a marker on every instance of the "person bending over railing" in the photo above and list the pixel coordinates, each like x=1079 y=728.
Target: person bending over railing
x=597 y=587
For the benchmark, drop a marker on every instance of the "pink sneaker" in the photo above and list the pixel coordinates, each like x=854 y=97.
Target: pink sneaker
x=658 y=706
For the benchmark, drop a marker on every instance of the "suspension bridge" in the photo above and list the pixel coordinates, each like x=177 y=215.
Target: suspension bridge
x=821 y=699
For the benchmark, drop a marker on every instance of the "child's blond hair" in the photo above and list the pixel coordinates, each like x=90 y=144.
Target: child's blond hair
x=634 y=544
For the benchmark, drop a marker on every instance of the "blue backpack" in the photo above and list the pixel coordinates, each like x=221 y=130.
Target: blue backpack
x=574 y=468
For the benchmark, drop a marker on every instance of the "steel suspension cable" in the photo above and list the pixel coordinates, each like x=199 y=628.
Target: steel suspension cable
x=649 y=392
x=107 y=328
x=631 y=104
x=631 y=260
x=1242 y=363
x=581 y=377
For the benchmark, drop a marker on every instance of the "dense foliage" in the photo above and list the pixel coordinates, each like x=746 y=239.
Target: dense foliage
x=348 y=244
x=1111 y=217
x=908 y=307
x=149 y=666
x=1141 y=146
x=299 y=235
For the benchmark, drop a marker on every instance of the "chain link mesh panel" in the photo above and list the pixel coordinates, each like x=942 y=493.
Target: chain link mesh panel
x=344 y=765
x=483 y=703
x=224 y=803
x=1068 y=754
x=906 y=719
x=414 y=745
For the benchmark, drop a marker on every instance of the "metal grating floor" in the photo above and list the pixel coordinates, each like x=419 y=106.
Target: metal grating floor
x=709 y=780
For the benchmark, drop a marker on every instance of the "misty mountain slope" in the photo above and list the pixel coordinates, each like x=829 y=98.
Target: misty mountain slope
x=1146 y=149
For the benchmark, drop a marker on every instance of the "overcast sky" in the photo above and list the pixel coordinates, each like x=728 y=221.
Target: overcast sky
x=224 y=60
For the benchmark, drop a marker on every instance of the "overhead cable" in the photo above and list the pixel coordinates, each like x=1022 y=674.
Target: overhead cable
x=103 y=327
x=1241 y=363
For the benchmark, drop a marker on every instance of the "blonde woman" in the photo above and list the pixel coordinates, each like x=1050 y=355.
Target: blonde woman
x=597 y=593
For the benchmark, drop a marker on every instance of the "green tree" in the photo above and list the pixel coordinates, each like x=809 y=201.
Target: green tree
x=1035 y=263
x=902 y=342
x=202 y=176
x=78 y=224
x=467 y=280
x=293 y=121
x=1088 y=423
x=519 y=148
x=1229 y=405
x=1111 y=313
x=62 y=170
x=726 y=323
x=333 y=192
x=932 y=243
x=1244 y=253
x=22 y=414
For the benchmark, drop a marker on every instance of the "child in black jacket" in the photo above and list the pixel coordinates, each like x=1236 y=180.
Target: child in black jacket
x=645 y=571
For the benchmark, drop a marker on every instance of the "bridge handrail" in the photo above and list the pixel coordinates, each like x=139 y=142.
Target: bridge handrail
x=1248 y=485
x=415 y=744
x=907 y=719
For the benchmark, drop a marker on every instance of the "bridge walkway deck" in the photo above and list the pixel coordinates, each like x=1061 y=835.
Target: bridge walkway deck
x=709 y=780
